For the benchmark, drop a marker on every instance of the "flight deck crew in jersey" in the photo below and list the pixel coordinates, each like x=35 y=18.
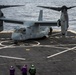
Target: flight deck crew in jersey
x=12 y=70
x=24 y=70
x=32 y=70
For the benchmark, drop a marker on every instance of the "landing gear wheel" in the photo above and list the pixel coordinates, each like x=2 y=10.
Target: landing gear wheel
x=44 y=37
x=50 y=31
x=15 y=42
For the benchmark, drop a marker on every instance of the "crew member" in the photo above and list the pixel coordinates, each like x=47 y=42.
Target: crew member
x=32 y=70
x=24 y=70
x=12 y=70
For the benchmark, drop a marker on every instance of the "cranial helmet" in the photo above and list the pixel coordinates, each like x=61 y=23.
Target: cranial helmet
x=11 y=67
x=32 y=65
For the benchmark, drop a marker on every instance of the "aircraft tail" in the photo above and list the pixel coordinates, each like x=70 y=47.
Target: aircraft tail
x=40 y=15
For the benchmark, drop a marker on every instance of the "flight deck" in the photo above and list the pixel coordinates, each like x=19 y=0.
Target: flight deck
x=51 y=56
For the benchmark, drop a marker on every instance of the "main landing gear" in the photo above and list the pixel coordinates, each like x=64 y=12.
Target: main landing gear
x=50 y=31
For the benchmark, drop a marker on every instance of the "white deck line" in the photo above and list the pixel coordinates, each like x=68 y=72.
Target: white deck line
x=56 y=54
x=12 y=57
x=72 y=31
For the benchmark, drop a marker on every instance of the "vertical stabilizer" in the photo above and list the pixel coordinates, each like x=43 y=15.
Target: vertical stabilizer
x=40 y=15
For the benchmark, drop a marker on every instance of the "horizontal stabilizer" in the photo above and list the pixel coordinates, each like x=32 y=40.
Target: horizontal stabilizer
x=7 y=6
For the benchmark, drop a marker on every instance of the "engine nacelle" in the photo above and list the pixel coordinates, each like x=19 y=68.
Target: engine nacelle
x=58 y=23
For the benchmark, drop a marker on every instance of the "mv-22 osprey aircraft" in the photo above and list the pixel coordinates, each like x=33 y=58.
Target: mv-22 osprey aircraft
x=36 y=29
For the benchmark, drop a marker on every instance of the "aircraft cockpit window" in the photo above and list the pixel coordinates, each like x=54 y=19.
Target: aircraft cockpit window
x=21 y=30
x=16 y=30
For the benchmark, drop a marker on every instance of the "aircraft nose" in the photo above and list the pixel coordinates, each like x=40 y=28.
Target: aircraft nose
x=15 y=36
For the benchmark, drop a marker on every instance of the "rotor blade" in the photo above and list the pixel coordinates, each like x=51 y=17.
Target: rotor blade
x=53 y=8
x=12 y=20
x=7 y=6
x=71 y=7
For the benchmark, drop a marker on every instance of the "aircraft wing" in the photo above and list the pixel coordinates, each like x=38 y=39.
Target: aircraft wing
x=30 y=23
x=11 y=20
x=46 y=23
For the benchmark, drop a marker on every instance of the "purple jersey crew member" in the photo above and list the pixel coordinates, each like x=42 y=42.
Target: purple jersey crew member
x=12 y=70
x=24 y=70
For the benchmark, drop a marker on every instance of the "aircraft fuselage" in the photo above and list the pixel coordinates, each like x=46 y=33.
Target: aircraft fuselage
x=30 y=33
